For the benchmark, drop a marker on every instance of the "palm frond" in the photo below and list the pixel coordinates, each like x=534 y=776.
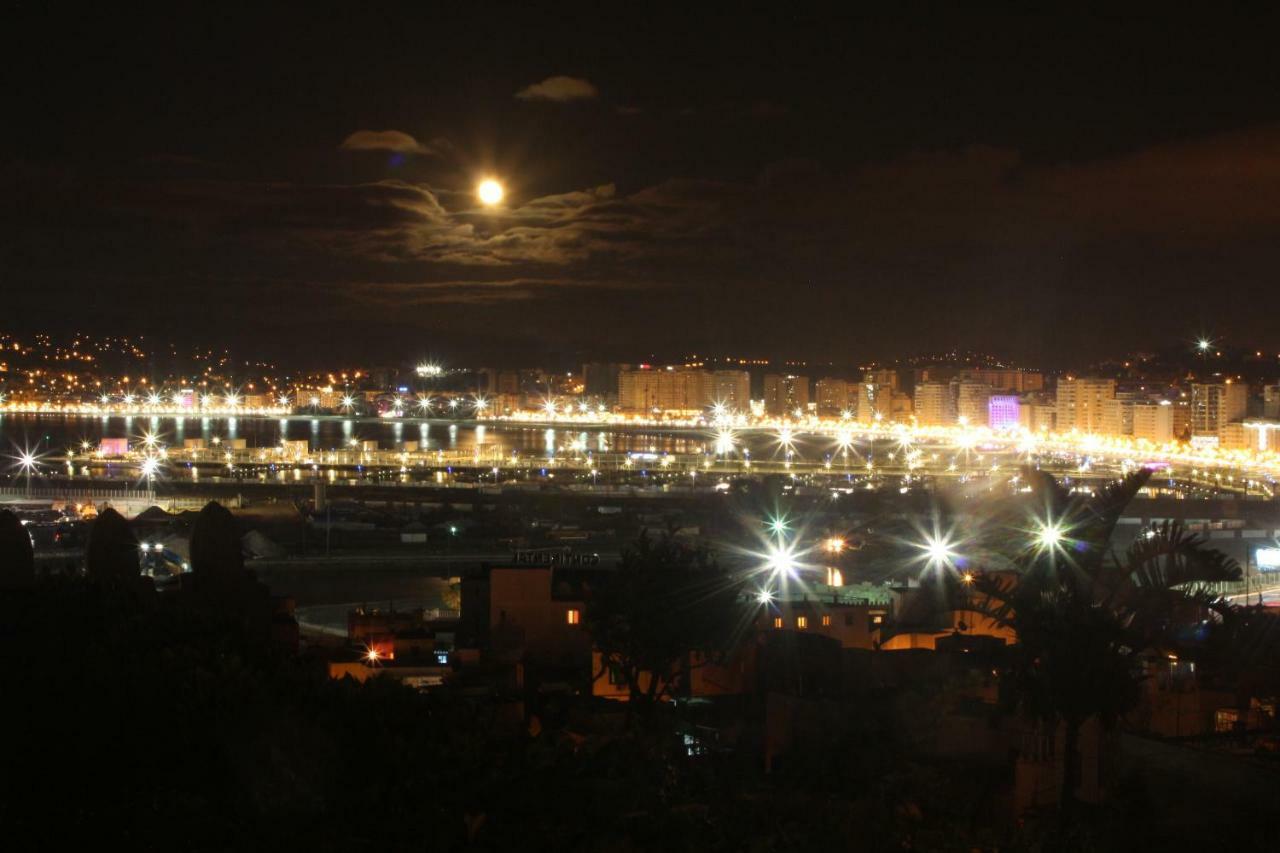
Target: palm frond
x=1170 y=556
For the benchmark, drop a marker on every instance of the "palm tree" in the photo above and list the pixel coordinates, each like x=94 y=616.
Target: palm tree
x=1083 y=613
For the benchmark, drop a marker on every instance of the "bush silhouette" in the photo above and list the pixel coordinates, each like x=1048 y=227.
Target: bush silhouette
x=113 y=549
x=17 y=560
x=215 y=543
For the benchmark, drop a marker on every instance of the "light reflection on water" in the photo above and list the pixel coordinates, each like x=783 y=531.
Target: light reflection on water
x=58 y=432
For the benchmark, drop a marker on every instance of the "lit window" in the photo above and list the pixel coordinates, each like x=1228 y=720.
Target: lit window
x=573 y=617
x=826 y=620
x=802 y=622
x=777 y=621
x=876 y=620
x=1225 y=719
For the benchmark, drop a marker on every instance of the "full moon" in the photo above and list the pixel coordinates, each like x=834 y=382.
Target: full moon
x=490 y=192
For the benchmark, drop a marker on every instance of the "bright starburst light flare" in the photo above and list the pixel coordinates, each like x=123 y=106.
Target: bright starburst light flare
x=1049 y=536
x=725 y=442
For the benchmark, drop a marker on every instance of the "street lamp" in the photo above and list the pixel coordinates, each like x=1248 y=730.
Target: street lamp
x=1049 y=536
x=781 y=561
x=28 y=462
x=938 y=552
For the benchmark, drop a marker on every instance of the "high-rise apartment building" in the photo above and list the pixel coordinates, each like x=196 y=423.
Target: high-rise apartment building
x=1271 y=402
x=1080 y=403
x=680 y=389
x=832 y=396
x=1215 y=404
x=1263 y=435
x=1003 y=412
x=1036 y=413
x=900 y=408
x=972 y=400
x=1117 y=413
x=1153 y=421
x=935 y=404
x=1005 y=379
x=883 y=377
x=731 y=389
x=667 y=390
x=600 y=379
x=785 y=394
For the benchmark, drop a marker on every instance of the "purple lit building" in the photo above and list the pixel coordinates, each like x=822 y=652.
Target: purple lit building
x=1002 y=411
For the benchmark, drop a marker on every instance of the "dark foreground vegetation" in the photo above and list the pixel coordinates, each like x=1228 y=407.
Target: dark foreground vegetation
x=177 y=721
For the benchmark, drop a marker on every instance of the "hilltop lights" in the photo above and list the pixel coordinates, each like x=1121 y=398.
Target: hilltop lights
x=429 y=370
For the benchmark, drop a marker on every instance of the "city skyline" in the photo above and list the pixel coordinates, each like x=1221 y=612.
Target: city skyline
x=629 y=427
x=894 y=185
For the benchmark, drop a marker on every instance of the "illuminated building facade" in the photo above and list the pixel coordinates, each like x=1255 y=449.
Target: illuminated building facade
x=1262 y=434
x=731 y=389
x=935 y=404
x=1271 y=401
x=1081 y=403
x=972 y=402
x=1215 y=404
x=679 y=389
x=832 y=396
x=1037 y=414
x=1153 y=422
x=1006 y=379
x=785 y=394
x=1117 y=413
x=1003 y=411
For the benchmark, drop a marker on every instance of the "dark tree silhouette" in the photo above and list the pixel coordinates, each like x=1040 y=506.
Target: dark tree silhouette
x=1083 y=614
x=216 y=551
x=17 y=560
x=666 y=609
x=112 y=554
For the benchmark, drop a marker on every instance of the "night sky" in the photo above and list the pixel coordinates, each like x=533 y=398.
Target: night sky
x=776 y=184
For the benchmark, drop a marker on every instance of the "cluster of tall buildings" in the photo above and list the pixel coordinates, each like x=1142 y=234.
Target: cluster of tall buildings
x=681 y=389
x=1219 y=413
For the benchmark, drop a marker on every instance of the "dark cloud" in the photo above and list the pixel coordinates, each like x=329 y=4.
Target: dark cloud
x=560 y=89
x=950 y=246
x=384 y=140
